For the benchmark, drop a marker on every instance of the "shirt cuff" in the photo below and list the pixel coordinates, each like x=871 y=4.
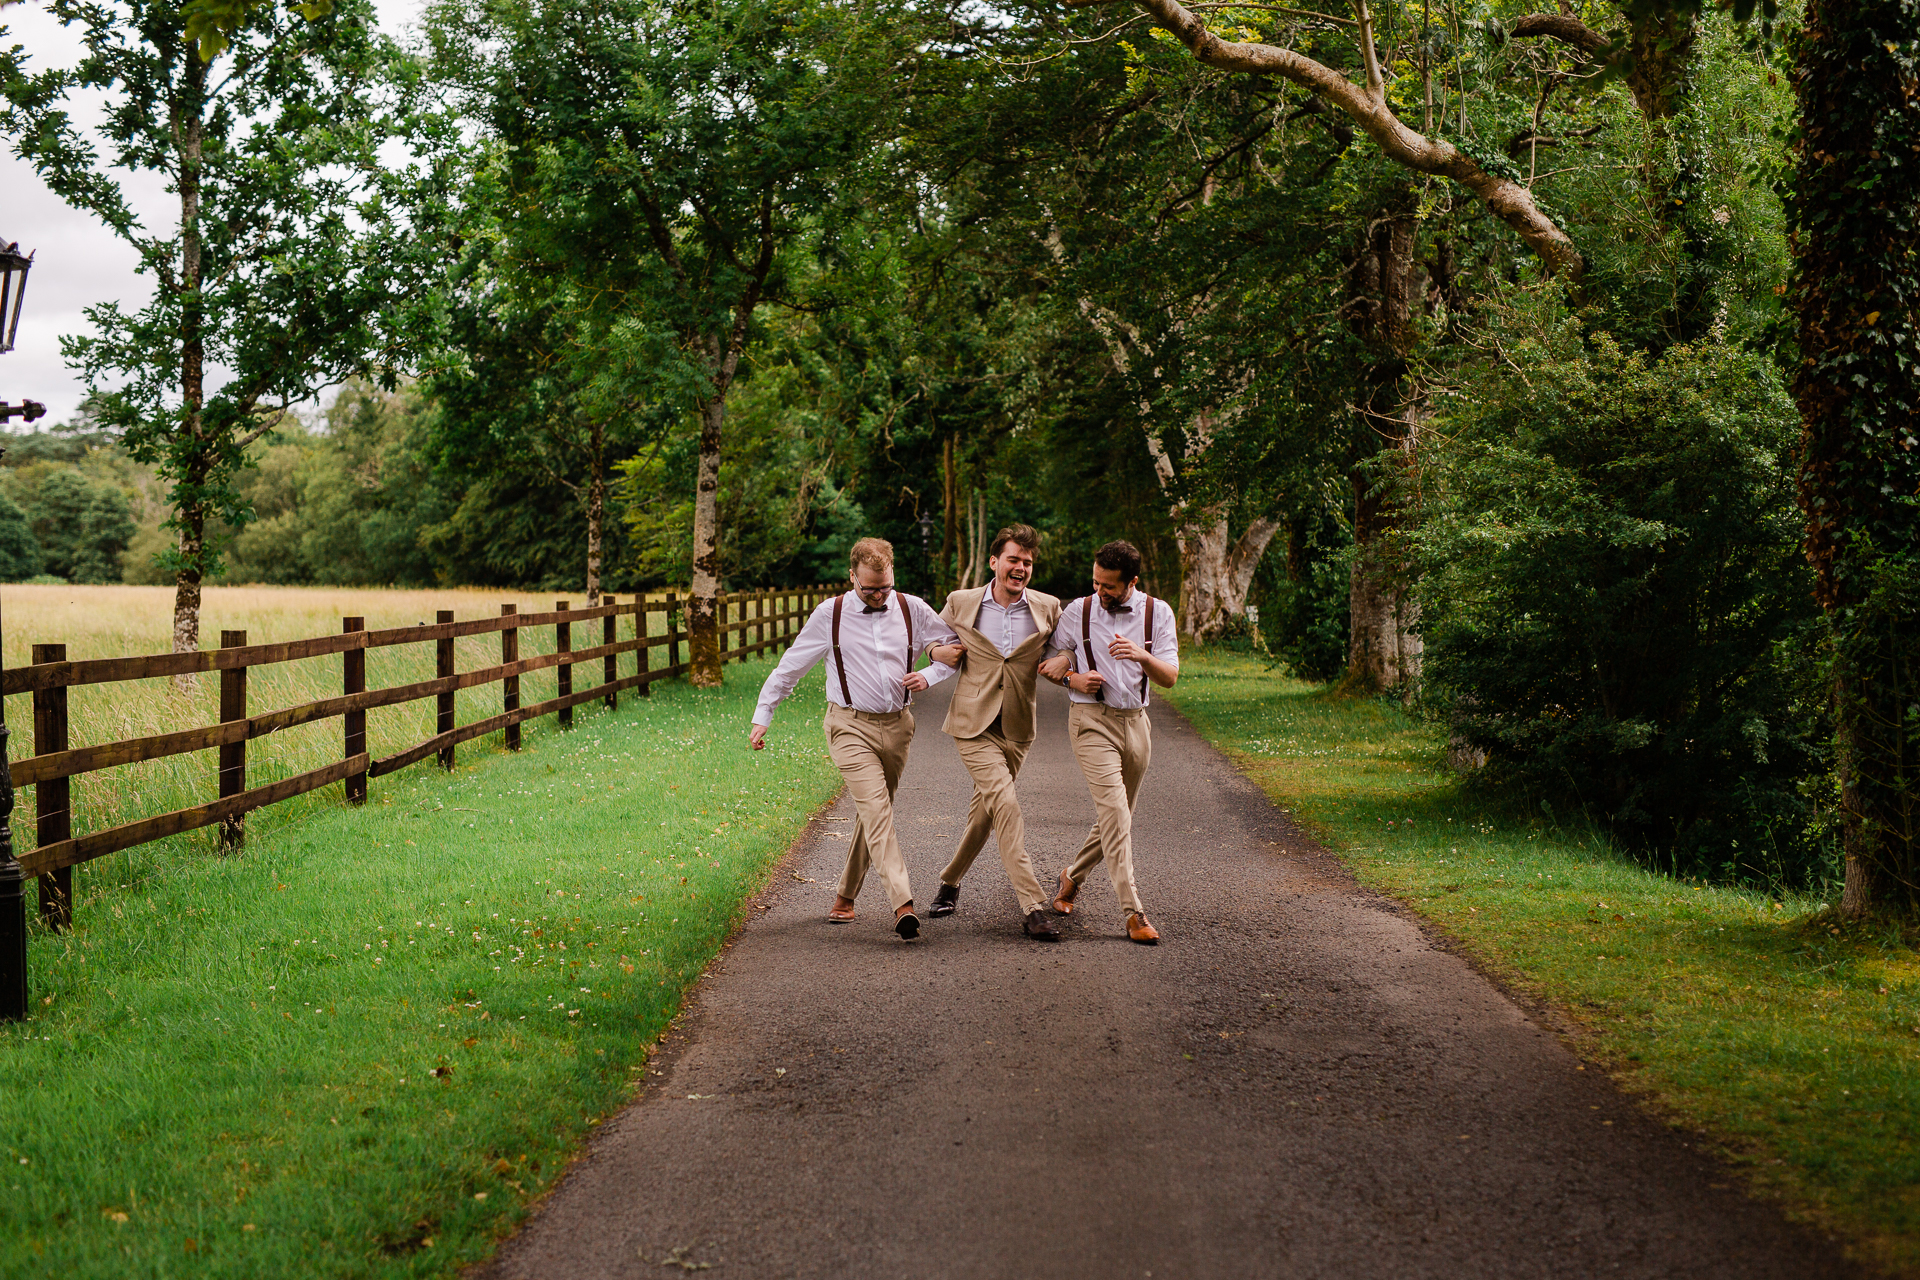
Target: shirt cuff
x=763 y=716
x=935 y=672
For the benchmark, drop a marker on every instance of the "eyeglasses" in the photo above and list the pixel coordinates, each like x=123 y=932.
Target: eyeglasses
x=872 y=591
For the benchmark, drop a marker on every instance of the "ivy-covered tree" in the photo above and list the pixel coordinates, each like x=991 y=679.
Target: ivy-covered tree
x=1855 y=203
x=283 y=267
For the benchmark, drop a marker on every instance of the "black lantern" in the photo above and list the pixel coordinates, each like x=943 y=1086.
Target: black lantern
x=13 y=287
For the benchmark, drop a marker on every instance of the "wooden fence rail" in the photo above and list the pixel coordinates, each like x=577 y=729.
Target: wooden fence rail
x=773 y=617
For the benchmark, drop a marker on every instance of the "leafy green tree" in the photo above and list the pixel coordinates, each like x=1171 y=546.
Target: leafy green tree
x=663 y=157
x=347 y=502
x=83 y=527
x=1612 y=599
x=286 y=267
x=20 y=556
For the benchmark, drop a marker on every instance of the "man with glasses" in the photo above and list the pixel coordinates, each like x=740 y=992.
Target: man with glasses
x=869 y=638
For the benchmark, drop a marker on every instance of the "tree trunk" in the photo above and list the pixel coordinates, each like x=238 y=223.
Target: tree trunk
x=596 y=506
x=974 y=554
x=1382 y=650
x=191 y=515
x=1851 y=205
x=703 y=621
x=950 y=526
x=1215 y=573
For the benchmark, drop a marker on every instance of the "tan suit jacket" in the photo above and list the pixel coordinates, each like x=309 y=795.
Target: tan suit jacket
x=990 y=685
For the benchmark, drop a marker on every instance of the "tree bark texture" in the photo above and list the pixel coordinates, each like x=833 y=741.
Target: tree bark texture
x=1855 y=213
x=190 y=511
x=703 y=620
x=1216 y=571
x=596 y=507
x=1367 y=106
x=1385 y=281
x=950 y=525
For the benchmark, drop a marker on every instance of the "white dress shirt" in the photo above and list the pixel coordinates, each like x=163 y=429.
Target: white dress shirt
x=1123 y=689
x=1006 y=626
x=875 y=647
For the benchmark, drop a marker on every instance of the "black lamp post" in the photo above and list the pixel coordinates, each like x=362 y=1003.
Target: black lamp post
x=925 y=524
x=13 y=881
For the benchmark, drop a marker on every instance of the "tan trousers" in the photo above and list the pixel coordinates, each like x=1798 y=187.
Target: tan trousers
x=1113 y=748
x=871 y=753
x=994 y=761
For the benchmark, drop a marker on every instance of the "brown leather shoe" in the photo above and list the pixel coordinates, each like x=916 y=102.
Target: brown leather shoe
x=906 y=924
x=841 y=912
x=1037 y=926
x=1140 y=931
x=1063 y=901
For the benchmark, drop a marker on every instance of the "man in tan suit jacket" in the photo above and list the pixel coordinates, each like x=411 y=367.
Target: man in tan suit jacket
x=1005 y=629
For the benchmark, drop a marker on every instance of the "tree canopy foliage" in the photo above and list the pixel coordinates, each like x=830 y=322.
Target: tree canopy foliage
x=1464 y=344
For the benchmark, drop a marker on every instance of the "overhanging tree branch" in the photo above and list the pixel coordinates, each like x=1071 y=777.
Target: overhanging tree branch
x=1367 y=106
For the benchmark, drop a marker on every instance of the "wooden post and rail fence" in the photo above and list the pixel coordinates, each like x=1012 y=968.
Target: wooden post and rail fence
x=773 y=617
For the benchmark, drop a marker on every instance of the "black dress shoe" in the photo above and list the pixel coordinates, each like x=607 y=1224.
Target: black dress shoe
x=944 y=901
x=1038 y=926
x=907 y=926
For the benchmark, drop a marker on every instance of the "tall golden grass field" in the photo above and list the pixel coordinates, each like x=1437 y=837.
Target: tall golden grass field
x=128 y=621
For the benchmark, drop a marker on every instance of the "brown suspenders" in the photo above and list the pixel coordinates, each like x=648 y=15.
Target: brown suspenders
x=1086 y=641
x=840 y=663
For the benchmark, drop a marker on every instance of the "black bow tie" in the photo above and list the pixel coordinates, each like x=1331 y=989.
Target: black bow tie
x=874 y=609
x=1117 y=608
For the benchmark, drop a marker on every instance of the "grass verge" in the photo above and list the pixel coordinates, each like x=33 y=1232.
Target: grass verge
x=362 y=1047
x=1756 y=1020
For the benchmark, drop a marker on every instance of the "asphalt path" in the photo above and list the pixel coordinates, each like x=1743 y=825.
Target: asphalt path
x=1298 y=1082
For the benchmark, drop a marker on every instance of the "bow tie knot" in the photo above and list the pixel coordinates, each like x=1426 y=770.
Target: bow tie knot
x=874 y=608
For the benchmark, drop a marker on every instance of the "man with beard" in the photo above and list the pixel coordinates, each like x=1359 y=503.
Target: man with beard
x=1003 y=629
x=869 y=638
x=1120 y=639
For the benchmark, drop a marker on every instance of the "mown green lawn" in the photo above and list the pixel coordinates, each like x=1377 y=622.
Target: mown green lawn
x=1752 y=1018
x=362 y=1046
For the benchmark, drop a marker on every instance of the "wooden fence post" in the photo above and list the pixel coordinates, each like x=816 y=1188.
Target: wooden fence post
x=233 y=755
x=641 y=662
x=759 y=622
x=673 y=634
x=52 y=799
x=510 y=685
x=563 y=640
x=443 y=667
x=353 y=679
x=610 y=665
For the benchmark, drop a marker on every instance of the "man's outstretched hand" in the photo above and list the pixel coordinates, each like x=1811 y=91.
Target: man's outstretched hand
x=757 y=739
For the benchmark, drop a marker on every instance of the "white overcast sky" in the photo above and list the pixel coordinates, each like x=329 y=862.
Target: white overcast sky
x=77 y=262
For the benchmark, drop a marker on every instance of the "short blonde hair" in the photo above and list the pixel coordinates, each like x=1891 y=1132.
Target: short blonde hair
x=876 y=553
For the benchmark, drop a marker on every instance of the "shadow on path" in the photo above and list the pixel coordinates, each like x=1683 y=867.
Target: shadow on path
x=1294 y=1083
